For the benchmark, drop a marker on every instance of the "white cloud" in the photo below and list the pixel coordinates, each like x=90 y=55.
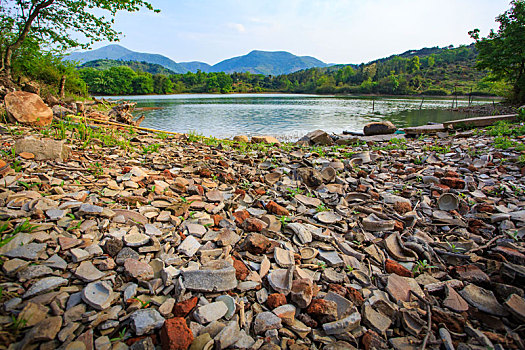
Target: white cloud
x=237 y=27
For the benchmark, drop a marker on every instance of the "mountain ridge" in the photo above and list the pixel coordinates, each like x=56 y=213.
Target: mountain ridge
x=256 y=61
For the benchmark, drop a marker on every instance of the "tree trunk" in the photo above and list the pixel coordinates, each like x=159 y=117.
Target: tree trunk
x=62 y=86
x=22 y=36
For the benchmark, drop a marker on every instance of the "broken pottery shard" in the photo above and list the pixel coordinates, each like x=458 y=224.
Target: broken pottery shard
x=44 y=285
x=374 y=224
x=397 y=250
x=454 y=301
x=281 y=280
x=399 y=287
x=301 y=232
x=482 y=299
x=98 y=295
x=516 y=305
x=214 y=276
x=344 y=325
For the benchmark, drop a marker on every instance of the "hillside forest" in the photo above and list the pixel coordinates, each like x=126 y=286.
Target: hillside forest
x=429 y=71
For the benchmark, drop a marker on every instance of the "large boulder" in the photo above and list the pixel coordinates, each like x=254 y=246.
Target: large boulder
x=379 y=128
x=27 y=108
x=316 y=137
x=45 y=149
x=265 y=139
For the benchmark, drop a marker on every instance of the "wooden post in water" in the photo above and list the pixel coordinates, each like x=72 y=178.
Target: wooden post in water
x=421 y=104
x=373 y=104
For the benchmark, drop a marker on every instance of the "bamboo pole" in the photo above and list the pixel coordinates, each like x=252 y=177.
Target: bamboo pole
x=126 y=125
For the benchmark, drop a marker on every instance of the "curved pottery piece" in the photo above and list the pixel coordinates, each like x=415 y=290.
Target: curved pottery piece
x=448 y=202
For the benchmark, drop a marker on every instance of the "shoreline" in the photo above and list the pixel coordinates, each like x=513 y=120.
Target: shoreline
x=132 y=229
x=371 y=96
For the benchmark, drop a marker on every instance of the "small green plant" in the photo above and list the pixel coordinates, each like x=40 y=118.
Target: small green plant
x=321 y=207
x=96 y=169
x=454 y=248
x=17 y=324
x=28 y=186
x=284 y=220
x=421 y=266
x=121 y=336
x=513 y=235
x=143 y=304
x=322 y=265
x=349 y=268
x=154 y=147
x=292 y=192
x=162 y=135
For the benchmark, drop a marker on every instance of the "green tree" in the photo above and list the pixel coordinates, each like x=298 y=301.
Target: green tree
x=503 y=52
x=54 y=21
x=142 y=84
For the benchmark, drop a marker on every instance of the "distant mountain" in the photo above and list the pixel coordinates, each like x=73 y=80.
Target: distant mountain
x=268 y=63
x=257 y=62
x=196 y=65
x=117 y=52
x=152 y=68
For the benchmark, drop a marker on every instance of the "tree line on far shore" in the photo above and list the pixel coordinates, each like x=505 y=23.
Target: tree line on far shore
x=430 y=71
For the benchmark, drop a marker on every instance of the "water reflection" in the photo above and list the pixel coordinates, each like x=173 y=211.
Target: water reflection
x=285 y=116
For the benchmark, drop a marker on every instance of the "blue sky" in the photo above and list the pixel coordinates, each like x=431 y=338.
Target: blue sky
x=334 y=31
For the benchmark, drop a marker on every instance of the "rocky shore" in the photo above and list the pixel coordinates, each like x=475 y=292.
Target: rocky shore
x=113 y=239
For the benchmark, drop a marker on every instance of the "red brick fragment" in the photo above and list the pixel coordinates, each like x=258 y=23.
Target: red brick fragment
x=175 y=334
x=183 y=308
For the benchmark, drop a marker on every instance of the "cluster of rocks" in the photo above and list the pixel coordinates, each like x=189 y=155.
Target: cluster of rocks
x=28 y=108
x=204 y=246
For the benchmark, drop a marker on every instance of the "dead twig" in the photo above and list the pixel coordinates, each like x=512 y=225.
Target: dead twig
x=429 y=318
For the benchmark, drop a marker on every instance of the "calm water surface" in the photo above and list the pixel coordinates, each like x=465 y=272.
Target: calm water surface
x=285 y=116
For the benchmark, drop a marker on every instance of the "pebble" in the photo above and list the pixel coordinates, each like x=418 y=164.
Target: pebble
x=145 y=321
x=210 y=312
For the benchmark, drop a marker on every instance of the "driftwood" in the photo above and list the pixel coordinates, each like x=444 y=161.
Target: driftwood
x=122 y=114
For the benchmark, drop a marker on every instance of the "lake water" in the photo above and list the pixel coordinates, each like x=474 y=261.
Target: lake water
x=286 y=116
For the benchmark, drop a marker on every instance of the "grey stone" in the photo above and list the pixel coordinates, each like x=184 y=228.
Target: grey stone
x=210 y=312
x=30 y=251
x=189 y=246
x=214 y=276
x=343 y=304
x=12 y=266
x=45 y=149
x=230 y=303
x=130 y=291
x=98 y=295
x=78 y=254
x=87 y=272
x=265 y=321
x=126 y=253
x=331 y=258
x=152 y=230
x=483 y=299
x=34 y=271
x=56 y=262
x=136 y=239
x=55 y=214
x=45 y=285
x=144 y=321
x=228 y=336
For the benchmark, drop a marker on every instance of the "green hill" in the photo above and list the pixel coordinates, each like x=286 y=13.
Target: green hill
x=152 y=68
